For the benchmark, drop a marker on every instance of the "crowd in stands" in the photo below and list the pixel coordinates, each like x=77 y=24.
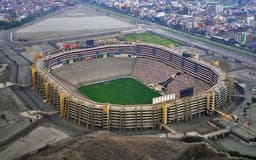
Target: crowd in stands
x=151 y=71
x=184 y=81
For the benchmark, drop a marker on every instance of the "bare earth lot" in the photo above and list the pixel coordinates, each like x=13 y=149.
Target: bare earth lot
x=108 y=146
x=71 y=22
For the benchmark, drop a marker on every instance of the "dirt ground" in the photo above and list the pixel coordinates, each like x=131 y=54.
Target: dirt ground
x=108 y=146
x=76 y=21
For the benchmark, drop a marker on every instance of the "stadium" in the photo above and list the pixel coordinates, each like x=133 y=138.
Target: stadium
x=172 y=88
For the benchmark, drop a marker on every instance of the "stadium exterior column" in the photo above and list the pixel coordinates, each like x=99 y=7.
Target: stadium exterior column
x=164 y=112
x=208 y=96
x=108 y=117
x=62 y=99
x=105 y=110
x=33 y=69
x=67 y=107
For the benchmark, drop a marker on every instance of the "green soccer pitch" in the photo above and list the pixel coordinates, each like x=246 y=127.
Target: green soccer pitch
x=151 y=38
x=124 y=91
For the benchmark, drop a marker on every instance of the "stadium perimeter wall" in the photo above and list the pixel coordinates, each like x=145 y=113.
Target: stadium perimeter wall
x=136 y=117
